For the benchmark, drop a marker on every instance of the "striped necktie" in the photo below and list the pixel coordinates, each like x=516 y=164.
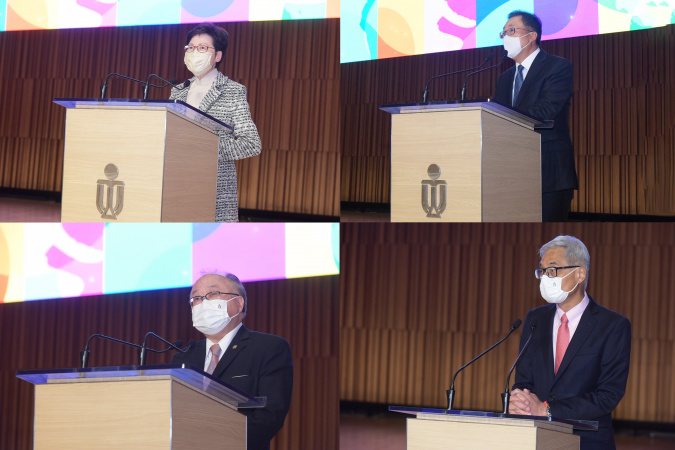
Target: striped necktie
x=517 y=84
x=215 y=353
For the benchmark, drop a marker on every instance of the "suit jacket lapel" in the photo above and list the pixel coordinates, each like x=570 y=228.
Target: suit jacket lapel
x=532 y=74
x=197 y=356
x=236 y=346
x=586 y=326
x=547 y=350
x=214 y=92
x=182 y=94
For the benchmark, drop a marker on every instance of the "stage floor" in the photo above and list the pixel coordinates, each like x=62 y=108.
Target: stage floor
x=24 y=210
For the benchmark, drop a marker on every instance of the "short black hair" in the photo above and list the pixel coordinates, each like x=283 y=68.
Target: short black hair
x=220 y=37
x=530 y=21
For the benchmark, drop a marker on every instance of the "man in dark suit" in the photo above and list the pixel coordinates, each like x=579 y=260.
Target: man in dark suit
x=540 y=85
x=256 y=363
x=576 y=366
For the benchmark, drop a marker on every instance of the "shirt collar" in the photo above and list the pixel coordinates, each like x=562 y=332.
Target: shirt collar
x=225 y=341
x=529 y=60
x=574 y=312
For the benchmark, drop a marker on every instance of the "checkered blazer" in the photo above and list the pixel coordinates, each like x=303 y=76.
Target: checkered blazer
x=226 y=101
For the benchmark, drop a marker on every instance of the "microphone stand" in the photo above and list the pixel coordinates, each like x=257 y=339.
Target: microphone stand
x=144 y=348
x=451 y=392
x=506 y=395
x=147 y=84
x=425 y=94
x=479 y=71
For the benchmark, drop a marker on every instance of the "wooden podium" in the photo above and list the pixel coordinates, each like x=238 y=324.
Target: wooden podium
x=464 y=162
x=159 y=407
x=433 y=429
x=129 y=160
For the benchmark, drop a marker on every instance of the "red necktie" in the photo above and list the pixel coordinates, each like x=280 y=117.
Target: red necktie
x=215 y=353
x=562 y=342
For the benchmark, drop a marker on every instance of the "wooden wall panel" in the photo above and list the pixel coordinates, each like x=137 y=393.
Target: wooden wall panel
x=622 y=116
x=50 y=334
x=420 y=300
x=289 y=67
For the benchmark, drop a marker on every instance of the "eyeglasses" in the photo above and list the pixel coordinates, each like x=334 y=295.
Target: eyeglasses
x=550 y=272
x=200 y=48
x=511 y=31
x=215 y=295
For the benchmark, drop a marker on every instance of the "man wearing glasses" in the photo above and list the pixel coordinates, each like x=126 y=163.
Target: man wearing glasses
x=256 y=363
x=576 y=366
x=215 y=94
x=540 y=85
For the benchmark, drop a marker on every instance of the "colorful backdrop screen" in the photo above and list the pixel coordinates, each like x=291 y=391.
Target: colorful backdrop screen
x=374 y=29
x=53 y=260
x=50 y=14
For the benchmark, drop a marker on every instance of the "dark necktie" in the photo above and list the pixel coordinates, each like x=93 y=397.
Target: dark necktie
x=517 y=85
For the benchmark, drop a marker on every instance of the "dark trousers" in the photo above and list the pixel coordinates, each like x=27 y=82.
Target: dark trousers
x=555 y=206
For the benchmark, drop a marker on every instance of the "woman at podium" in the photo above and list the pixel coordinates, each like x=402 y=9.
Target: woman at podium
x=217 y=95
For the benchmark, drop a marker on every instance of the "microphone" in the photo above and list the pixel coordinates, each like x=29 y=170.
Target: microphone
x=84 y=354
x=451 y=391
x=147 y=84
x=172 y=346
x=504 y=52
x=425 y=94
x=105 y=83
x=506 y=396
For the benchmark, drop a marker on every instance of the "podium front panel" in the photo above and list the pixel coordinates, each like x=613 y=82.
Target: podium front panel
x=448 y=140
x=424 y=434
x=132 y=141
x=136 y=415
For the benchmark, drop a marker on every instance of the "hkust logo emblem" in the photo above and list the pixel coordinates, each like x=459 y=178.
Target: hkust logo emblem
x=110 y=192
x=438 y=188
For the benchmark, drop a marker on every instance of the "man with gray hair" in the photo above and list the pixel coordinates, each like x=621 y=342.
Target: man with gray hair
x=256 y=363
x=576 y=366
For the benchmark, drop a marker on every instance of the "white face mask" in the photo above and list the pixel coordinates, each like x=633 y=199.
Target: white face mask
x=551 y=288
x=512 y=45
x=198 y=63
x=210 y=316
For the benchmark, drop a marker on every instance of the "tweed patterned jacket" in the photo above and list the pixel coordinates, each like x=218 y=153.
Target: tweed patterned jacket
x=226 y=101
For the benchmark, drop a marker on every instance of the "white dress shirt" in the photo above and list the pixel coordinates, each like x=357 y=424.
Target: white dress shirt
x=223 y=343
x=526 y=68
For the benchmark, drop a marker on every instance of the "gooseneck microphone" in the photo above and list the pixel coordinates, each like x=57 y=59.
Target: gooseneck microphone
x=84 y=354
x=425 y=94
x=143 y=354
x=506 y=396
x=463 y=93
x=104 y=87
x=451 y=391
x=147 y=84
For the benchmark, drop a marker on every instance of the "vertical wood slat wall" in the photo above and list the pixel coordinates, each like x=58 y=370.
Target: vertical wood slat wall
x=49 y=334
x=622 y=116
x=290 y=69
x=417 y=301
